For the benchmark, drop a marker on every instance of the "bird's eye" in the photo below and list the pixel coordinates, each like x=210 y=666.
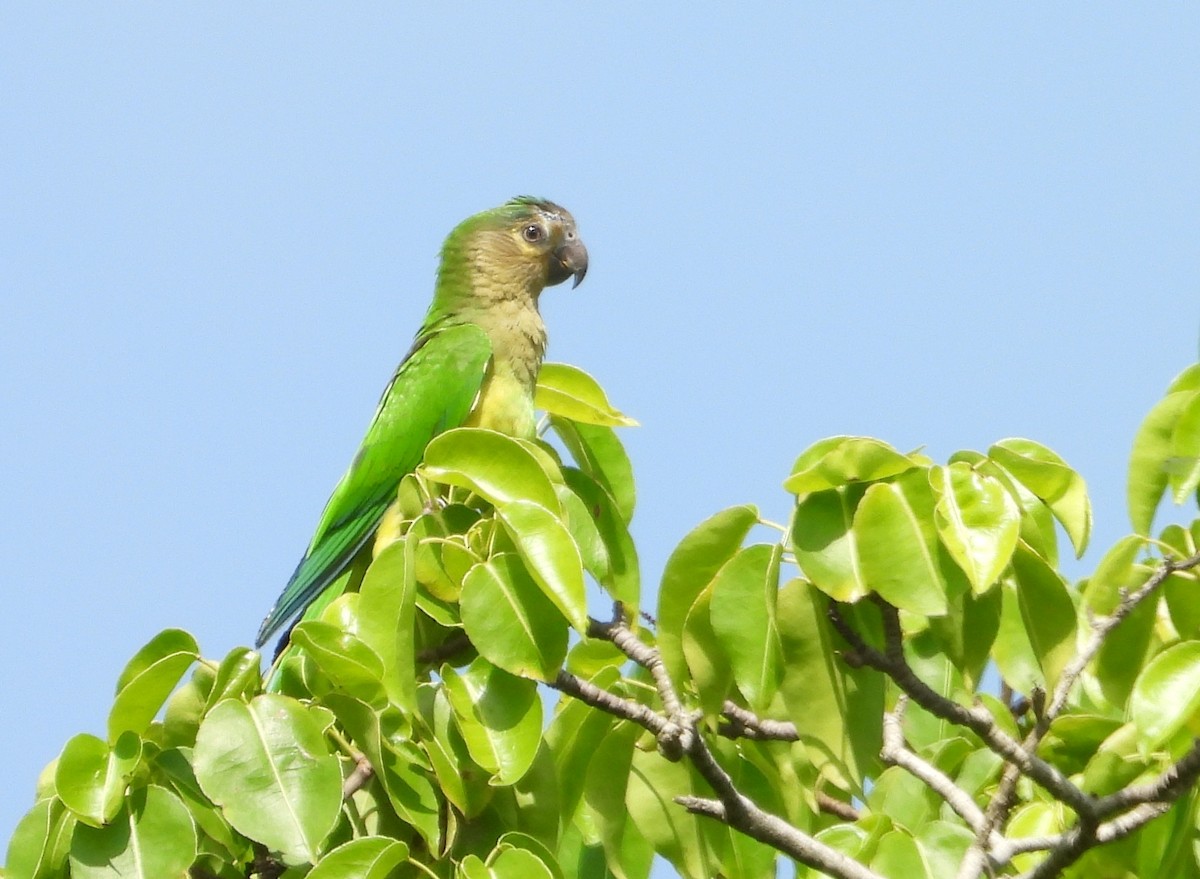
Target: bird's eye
x=533 y=232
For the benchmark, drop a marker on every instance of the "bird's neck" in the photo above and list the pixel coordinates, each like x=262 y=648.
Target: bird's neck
x=504 y=304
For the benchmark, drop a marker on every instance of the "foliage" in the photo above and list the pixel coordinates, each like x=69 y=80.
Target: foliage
x=900 y=682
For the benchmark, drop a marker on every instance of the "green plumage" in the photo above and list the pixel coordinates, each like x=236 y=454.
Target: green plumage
x=474 y=361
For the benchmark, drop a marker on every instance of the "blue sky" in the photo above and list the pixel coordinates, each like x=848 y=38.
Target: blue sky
x=940 y=225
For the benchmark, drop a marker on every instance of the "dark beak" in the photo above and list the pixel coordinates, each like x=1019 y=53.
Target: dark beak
x=569 y=260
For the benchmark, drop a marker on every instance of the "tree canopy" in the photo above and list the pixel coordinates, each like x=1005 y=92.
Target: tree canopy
x=897 y=682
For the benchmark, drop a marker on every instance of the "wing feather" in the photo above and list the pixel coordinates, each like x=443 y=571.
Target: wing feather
x=432 y=390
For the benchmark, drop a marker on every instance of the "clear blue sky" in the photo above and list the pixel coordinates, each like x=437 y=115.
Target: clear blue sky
x=940 y=225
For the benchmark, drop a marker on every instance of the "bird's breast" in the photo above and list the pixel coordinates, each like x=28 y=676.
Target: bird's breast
x=505 y=404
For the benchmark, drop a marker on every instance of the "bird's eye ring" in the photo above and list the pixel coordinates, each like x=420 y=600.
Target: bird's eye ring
x=532 y=232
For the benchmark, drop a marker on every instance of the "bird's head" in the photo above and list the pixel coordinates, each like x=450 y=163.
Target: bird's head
x=519 y=248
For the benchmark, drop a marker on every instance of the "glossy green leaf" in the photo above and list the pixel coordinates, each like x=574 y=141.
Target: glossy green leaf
x=653 y=785
x=239 y=675
x=1047 y=611
x=1047 y=475
x=899 y=857
x=175 y=766
x=943 y=846
x=743 y=619
x=1183 y=472
x=1150 y=460
x=148 y=680
x=599 y=452
x=571 y=393
x=91 y=777
x=268 y=766
x=499 y=715
x=977 y=520
x=461 y=780
x=690 y=568
x=709 y=668
x=573 y=738
x=1166 y=694
x=581 y=522
x=386 y=612
x=368 y=857
x=151 y=838
x=605 y=790
x=1116 y=573
x=1181 y=592
x=345 y=659
x=1014 y=655
x=825 y=544
x=517 y=863
x=494 y=466
x=897 y=548
x=623 y=579
x=550 y=555
x=837 y=709
x=1116 y=762
x=840 y=460
x=38 y=848
x=510 y=621
x=1124 y=653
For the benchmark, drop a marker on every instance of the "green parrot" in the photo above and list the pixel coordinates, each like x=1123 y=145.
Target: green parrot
x=474 y=362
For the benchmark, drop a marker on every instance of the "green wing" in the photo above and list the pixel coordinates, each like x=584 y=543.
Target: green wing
x=432 y=391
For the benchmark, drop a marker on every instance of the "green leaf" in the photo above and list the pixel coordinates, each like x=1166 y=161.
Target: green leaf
x=550 y=556
x=517 y=863
x=499 y=715
x=825 y=544
x=837 y=709
x=897 y=548
x=582 y=524
x=494 y=466
x=510 y=621
x=91 y=778
x=148 y=680
x=709 y=668
x=691 y=567
x=743 y=619
x=628 y=853
x=267 y=765
x=38 y=848
x=368 y=857
x=573 y=738
x=840 y=460
x=1124 y=653
x=943 y=846
x=175 y=766
x=386 y=613
x=1047 y=475
x=343 y=657
x=978 y=522
x=899 y=857
x=1150 y=460
x=1166 y=694
x=461 y=780
x=1047 y=611
x=1117 y=572
x=152 y=837
x=1014 y=655
x=599 y=453
x=623 y=579
x=239 y=675
x=571 y=393
x=1184 y=470
x=653 y=785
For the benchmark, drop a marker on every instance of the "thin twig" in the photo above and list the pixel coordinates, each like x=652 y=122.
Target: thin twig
x=742 y=723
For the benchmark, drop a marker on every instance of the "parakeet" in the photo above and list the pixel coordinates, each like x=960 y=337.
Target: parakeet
x=474 y=362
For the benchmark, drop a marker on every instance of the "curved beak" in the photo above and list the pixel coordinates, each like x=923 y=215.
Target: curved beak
x=570 y=259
